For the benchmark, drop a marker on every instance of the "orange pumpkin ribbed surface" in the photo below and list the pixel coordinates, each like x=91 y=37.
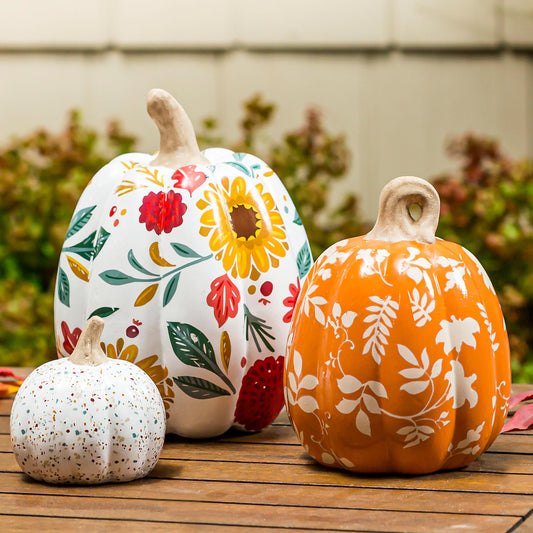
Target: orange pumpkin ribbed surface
x=398 y=357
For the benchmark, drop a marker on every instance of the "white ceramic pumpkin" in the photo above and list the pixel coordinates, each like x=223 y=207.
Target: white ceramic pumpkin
x=87 y=418
x=195 y=259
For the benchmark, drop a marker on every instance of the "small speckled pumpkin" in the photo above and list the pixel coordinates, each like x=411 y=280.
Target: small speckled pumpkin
x=399 y=359
x=87 y=419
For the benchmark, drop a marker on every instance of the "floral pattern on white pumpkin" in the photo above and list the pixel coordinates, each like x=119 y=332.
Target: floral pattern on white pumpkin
x=208 y=296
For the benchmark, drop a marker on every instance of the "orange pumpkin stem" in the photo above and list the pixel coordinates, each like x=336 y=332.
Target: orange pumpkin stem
x=178 y=145
x=88 y=350
x=396 y=218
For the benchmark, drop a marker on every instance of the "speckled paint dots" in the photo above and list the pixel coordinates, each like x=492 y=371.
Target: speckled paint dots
x=79 y=423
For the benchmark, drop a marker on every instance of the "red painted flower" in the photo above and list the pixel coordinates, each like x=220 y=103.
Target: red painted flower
x=290 y=301
x=71 y=337
x=261 y=396
x=162 y=211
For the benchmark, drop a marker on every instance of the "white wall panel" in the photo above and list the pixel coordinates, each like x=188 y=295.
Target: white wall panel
x=72 y=24
x=446 y=23
x=313 y=23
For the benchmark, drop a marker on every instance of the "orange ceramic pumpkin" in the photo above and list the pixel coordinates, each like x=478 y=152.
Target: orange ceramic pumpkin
x=398 y=357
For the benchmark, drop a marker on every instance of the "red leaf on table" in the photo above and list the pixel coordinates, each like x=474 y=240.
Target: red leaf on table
x=188 y=178
x=517 y=398
x=224 y=298
x=522 y=419
x=8 y=373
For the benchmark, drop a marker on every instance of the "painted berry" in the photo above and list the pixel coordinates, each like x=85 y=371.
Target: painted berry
x=261 y=396
x=266 y=288
x=132 y=332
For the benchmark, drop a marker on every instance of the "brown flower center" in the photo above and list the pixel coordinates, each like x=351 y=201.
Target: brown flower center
x=244 y=221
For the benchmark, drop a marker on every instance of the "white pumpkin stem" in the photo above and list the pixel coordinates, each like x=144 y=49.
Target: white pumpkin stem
x=88 y=350
x=178 y=145
x=395 y=218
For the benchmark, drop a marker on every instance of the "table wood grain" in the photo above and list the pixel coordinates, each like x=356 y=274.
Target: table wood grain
x=265 y=482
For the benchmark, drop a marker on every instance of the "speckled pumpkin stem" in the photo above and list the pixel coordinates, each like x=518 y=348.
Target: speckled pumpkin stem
x=178 y=145
x=88 y=350
x=396 y=223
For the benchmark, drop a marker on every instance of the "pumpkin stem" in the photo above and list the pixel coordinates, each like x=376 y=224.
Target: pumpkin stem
x=178 y=145
x=409 y=210
x=88 y=350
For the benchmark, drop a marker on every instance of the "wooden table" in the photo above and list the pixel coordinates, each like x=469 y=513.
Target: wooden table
x=265 y=482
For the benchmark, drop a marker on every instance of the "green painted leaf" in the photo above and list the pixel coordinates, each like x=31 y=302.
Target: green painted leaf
x=170 y=289
x=241 y=167
x=198 y=388
x=184 y=250
x=304 y=261
x=79 y=220
x=116 y=277
x=193 y=348
x=133 y=261
x=103 y=312
x=258 y=329
x=63 y=288
x=239 y=156
x=83 y=248
x=297 y=219
x=103 y=235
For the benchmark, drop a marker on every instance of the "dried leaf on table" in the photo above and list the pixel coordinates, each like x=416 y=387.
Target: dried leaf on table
x=523 y=418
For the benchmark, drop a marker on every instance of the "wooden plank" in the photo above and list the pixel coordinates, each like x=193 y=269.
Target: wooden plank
x=4 y=425
x=513 y=443
x=508 y=443
x=290 y=495
x=215 y=451
x=280 y=516
x=315 y=474
x=526 y=526
x=5 y=406
x=31 y=524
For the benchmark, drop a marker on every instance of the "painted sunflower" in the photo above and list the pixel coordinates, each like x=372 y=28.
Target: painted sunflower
x=245 y=228
x=158 y=373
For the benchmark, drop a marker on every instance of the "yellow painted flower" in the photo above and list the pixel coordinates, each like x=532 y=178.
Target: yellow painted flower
x=158 y=373
x=245 y=228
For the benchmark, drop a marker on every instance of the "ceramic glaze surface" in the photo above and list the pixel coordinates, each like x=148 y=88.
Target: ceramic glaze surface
x=398 y=359
x=87 y=424
x=197 y=271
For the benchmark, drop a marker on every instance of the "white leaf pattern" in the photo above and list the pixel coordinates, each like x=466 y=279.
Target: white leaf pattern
x=297 y=363
x=461 y=386
x=309 y=382
x=415 y=387
x=347 y=406
x=349 y=384
x=362 y=423
x=407 y=354
x=421 y=307
x=457 y=332
x=378 y=331
x=307 y=404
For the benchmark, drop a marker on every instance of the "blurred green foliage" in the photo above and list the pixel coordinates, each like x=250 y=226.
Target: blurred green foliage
x=487 y=206
x=41 y=178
